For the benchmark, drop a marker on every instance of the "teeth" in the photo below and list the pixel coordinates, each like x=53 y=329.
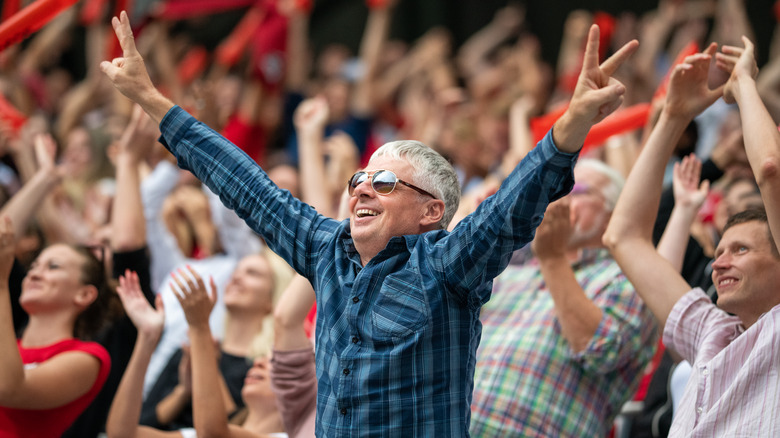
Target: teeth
x=365 y=212
x=727 y=281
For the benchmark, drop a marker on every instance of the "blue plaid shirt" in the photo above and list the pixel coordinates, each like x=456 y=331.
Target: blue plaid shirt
x=396 y=339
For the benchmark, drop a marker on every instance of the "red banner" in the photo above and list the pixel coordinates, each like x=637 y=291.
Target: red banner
x=30 y=19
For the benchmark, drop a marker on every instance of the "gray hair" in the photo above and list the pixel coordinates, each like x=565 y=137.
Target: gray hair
x=615 y=180
x=432 y=172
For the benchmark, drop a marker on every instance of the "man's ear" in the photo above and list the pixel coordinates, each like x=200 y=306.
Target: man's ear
x=434 y=211
x=86 y=295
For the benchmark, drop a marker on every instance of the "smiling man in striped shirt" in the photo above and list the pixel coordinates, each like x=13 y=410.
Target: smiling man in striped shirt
x=734 y=387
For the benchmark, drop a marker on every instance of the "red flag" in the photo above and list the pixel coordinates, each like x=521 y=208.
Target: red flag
x=30 y=19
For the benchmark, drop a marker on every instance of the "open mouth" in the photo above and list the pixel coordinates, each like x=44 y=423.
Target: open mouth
x=365 y=212
x=727 y=281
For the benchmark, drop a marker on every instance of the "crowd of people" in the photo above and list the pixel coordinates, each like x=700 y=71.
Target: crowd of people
x=521 y=249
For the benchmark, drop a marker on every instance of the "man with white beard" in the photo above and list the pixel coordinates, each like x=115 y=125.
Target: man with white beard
x=565 y=338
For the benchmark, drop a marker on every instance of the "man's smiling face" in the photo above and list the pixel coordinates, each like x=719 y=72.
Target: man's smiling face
x=746 y=272
x=375 y=218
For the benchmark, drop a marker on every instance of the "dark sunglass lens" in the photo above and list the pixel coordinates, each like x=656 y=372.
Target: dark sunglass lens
x=383 y=182
x=356 y=180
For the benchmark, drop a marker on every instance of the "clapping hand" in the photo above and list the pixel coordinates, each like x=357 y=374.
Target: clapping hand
x=196 y=300
x=147 y=320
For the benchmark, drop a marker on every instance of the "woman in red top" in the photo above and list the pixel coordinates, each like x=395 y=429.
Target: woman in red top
x=49 y=375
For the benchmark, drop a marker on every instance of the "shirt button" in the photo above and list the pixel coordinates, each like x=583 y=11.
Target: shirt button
x=699 y=410
x=705 y=372
x=355 y=299
x=343 y=411
x=355 y=339
x=346 y=371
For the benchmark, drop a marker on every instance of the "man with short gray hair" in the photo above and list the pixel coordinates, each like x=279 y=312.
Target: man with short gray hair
x=398 y=297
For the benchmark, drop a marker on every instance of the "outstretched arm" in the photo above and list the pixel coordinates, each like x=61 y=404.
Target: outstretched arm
x=762 y=140
x=129 y=75
x=629 y=234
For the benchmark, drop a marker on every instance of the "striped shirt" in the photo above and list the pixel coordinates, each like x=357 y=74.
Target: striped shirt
x=529 y=382
x=734 y=387
x=396 y=339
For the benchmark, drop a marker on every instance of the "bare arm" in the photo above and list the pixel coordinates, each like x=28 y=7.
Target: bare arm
x=126 y=408
x=472 y=56
x=373 y=41
x=762 y=140
x=629 y=234
x=128 y=225
x=297 y=45
x=25 y=203
x=310 y=119
x=197 y=301
x=688 y=198
x=578 y=315
x=290 y=313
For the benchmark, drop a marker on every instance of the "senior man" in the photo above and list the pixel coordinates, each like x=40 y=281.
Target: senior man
x=398 y=297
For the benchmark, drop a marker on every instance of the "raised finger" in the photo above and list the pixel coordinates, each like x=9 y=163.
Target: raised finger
x=616 y=60
x=124 y=34
x=733 y=50
x=178 y=287
x=591 y=59
x=191 y=286
x=198 y=279
x=748 y=44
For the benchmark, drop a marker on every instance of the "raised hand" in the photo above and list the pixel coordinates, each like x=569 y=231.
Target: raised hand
x=312 y=115
x=685 y=183
x=45 y=152
x=740 y=63
x=195 y=299
x=596 y=95
x=139 y=135
x=688 y=92
x=147 y=320
x=553 y=234
x=129 y=75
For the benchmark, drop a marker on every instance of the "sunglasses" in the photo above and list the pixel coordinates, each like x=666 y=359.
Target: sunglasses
x=382 y=181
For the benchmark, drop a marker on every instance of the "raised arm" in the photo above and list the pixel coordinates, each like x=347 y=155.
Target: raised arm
x=25 y=203
x=128 y=226
x=290 y=313
x=373 y=41
x=129 y=75
x=310 y=119
x=689 y=195
x=762 y=140
x=197 y=301
x=596 y=95
x=126 y=408
x=629 y=234
x=578 y=315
